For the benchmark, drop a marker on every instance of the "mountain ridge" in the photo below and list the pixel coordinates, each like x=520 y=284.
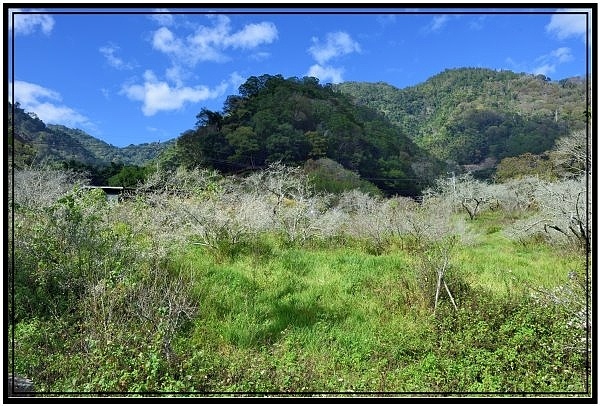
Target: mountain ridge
x=450 y=112
x=40 y=142
x=469 y=118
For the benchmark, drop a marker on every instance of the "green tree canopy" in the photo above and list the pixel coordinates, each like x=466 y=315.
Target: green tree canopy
x=291 y=120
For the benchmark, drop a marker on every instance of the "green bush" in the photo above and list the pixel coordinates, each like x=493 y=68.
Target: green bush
x=490 y=345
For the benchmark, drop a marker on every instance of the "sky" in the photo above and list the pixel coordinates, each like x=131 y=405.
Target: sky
x=137 y=78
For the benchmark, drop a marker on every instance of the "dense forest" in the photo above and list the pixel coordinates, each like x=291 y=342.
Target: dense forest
x=471 y=115
x=293 y=120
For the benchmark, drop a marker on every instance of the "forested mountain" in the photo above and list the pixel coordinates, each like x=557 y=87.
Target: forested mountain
x=139 y=154
x=34 y=141
x=293 y=120
x=471 y=115
x=398 y=139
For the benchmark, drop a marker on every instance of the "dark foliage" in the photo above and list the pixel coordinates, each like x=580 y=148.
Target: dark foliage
x=292 y=120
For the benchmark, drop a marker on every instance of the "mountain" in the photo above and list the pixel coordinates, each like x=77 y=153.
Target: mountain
x=398 y=139
x=34 y=141
x=294 y=120
x=139 y=154
x=471 y=116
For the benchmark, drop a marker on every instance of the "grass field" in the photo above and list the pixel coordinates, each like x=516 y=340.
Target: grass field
x=331 y=319
x=98 y=310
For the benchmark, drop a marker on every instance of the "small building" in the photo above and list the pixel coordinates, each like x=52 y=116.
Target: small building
x=113 y=193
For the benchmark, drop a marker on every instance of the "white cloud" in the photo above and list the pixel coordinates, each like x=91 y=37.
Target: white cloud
x=159 y=96
x=176 y=75
x=56 y=114
x=564 y=26
x=326 y=73
x=45 y=103
x=207 y=43
x=29 y=93
x=337 y=44
x=164 y=40
x=438 y=22
x=252 y=35
x=113 y=60
x=25 y=24
x=546 y=64
x=162 y=19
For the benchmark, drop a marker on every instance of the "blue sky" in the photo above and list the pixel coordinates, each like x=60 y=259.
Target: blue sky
x=130 y=79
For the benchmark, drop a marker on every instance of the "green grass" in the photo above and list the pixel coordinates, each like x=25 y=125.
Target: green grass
x=501 y=266
x=341 y=319
x=330 y=317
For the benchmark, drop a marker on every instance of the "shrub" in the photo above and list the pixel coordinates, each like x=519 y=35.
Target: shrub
x=97 y=288
x=563 y=214
x=56 y=250
x=329 y=176
x=40 y=187
x=464 y=192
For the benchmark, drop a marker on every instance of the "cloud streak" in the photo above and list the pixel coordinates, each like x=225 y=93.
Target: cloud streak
x=162 y=17
x=438 y=23
x=545 y=64
x=109 y=53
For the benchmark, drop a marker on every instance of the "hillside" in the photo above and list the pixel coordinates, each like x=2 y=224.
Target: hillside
x=34 y=141
x=398 y=139
x=293 y=120
x=471 y=115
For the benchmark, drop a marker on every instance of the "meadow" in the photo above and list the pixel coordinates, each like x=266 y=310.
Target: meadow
x=203 y=285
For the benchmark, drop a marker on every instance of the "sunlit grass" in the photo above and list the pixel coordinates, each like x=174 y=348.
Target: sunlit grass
x=504 y=266
x=342 y=319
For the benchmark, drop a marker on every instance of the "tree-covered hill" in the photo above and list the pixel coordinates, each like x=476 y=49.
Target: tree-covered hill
x=398 y=139
x=36 y=142
x=293 y=120
x=469 y=115
x=139 y=154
